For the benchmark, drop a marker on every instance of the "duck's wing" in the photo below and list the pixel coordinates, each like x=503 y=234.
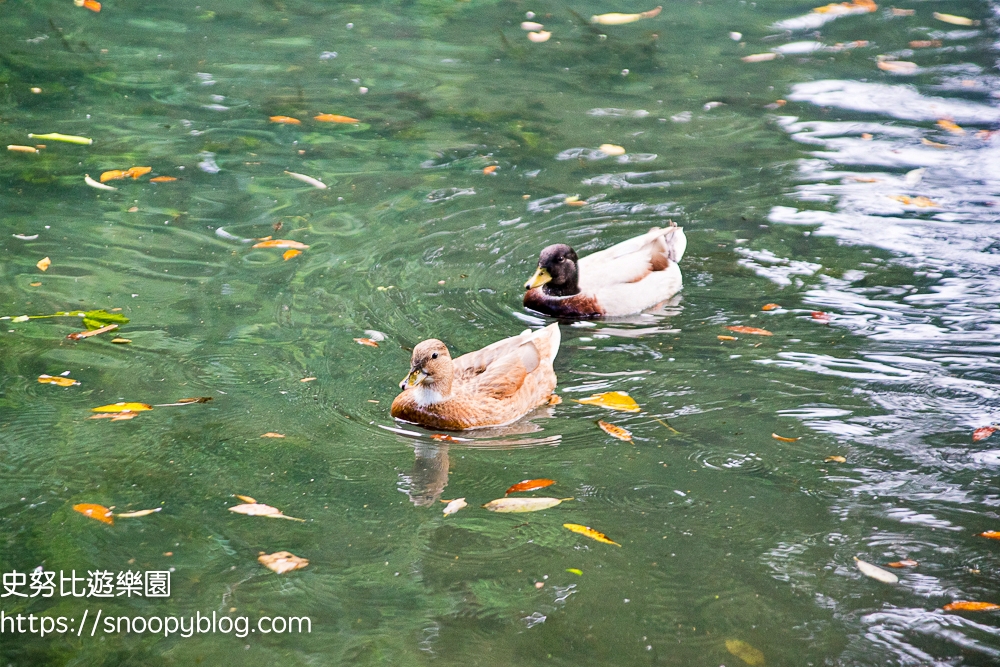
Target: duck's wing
x=474 y=363
x=632 y=260
x=500 y=369
x=505 y=375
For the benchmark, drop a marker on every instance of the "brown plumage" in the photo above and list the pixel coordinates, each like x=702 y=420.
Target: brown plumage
x=490 y=387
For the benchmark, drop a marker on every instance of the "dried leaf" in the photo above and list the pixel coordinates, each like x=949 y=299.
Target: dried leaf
x=121 y=341
x=982 y=433
x=621 y=19
x=954 y=20
x=94 y=184
x=590 y=532
x=784 y=439
x=991 y=534
x=615 y=431
x=115 y=416
x=539 y=36
x=759 y=57
x=185 y=401
x=162 y=179
x=282 y=561
x=745 y=652
x=612 y=400
x=21 y=149
x=56 y=380
x=964 y=605
x=99 y=512
x=820 y=316
x=285 y=120
x=835 y=459
x=490 y=169
x=750 y=330
x=903 y=563
x=136 y=172
x=531 y=485
x=315 y=182
x=93 y=332
x=272 y=434
x=455 y=505
x=611 y=149
x=123 y=407
x=898 y=66
x=922 y=202
x=874 y=572
x=288 y=254
x=925 y=43
x=44 y=264
x=334 y=118
x=720 y=337
x=246 y=499
x=770 y=306
x=112 y=175
x=522 y=504
x=137 y=514
x=366 y=341
x=280 y=243
x=257 y=509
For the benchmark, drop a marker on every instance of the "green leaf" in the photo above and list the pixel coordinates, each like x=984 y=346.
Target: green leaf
x=95 y=319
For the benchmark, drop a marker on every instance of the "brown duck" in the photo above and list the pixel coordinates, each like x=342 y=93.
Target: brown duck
x=490 y=387
x=624 y=279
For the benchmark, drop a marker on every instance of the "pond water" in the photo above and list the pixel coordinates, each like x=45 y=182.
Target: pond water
x=820 y=180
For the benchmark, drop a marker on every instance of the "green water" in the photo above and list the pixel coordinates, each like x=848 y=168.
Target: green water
x=726 y=533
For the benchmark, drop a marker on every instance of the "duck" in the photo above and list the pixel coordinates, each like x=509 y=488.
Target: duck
x=621 y=280
x=493 y=386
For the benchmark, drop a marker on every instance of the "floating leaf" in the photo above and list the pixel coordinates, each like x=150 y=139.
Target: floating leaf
x=99 y=512
x=898 y=66
x=770 y=306
x=246 y=499
x=991 y=534
x=121 y=341
x=257 y=509
x=123 y=407
x=455 y=505
x=820 y=316
x=964 y=605
x=282 y=561
x=95 y=319
x=80 y=335
x=315 y=182
x=611 y=149
x=21 y=149
x=185 y=401
x=759 y=57
x=982 y=433
x=162 y=179
x=92 y=5
x=835 y=459
x=745 y=652
x=136 y=172
x=334 y=118
x=922 y=202
x=856 y=7
x=285 y=120
x=115 y=416
x=590 y=532
x=946 y=18
x=750 y=330
x=280 y=243
x=573 y=570
x=531 y=485
x=612 y=400
x=112 y=175
x=43 y=264
x=271 y=434
x=784 y=439
x=946 y=124
x=94 y=184
x=621 y=19
x=522 y=504
x=138 y=513
x=539 y=36
x=65 y=138
x=56 y=380
x=615 y=431
x=874 y=572
x=288 y=254
x=903 y=563
x=727 y=337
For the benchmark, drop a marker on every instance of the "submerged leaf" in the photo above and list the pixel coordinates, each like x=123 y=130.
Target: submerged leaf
x=965 y=605
x=759 y=57
x=246 y=499
x=874 y=572
x=272 y=434
x=784 y=439
x=946 y=18
x=285 y=120
x=903 y=563
x=991 y=534
x=835 y=459
x=115 y=416
x=725 y=338
x=982 y=433
x=99 y=512
x=455 y=505
x=43 y=264
x=589 y=532
x=80 y=335
x=258 y=509
x=288 y=254
x=745 y=652
x=123 y=407
x=282 y=561
x=770 y=306
x=112 y=175
x=531 y=485
x=334 y=118
x=611 y=149
x=56 y=380
x=615 y=18
x=750 y=330
x=442 y=437
x=615 y=431
x=366 y=341
x=65 y=138
x=522 y=504
x=280 y=243
x=946 y=124
x=612 y=400
x=138 y=513
x=162 y=179
x=184 y=401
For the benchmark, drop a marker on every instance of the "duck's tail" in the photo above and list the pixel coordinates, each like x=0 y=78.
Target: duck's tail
x=673 y=242
x=547 y=342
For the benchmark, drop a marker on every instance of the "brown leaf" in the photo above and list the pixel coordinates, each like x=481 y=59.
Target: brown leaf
x=898 y=66
x=750 y=330
x=555 y=399
x=99 y=512
x=258 y=509
x=490 y=169
x=770 y=306
x=615 y=431
x=531 y=485
x=366 y=341
x=272 y=434
x=784 y=439
x=80 y=335
x=982 y=433
x=282 y=561
x=925 y=43
x=903 y=563
x=58 y=381
x=43 y=264
x=964 y=605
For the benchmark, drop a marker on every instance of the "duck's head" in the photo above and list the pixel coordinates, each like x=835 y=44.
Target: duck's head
x=556 y=271
x=430 y=367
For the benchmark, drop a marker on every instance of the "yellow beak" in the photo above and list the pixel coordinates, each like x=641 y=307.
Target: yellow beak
x=415 y=377
x=540 y=278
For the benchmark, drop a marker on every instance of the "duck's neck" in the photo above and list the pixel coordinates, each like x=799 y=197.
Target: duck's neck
x=568 y=288
x=434 y=389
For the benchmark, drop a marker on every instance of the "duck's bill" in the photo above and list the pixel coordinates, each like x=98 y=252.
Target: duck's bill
x=540 y=278
x=415 y=377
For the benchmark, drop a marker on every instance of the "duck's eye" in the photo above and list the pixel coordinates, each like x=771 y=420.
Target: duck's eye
x=434 y=356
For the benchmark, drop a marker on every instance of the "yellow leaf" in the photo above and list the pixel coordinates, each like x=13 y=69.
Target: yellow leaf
x=272 y=434
x=136 y=172
x=246 y=499
x=745 y=652
x=950 y=126
x=522 y=504
x=99 y=512
x=123 y=407
x=954 y=20
x=258 y=509
x=784 y=439
x=724 y=338
x=282 y=561
x=612 y=400
x=288 y=254
x=280 y=243
x=138 y=513
x=933 y=144
x=59 y=381
x=44 y=264
x=963 y=605
x=334 y=118
x=286 y=120
x=611 y=149
x=835 y=459
x=589 y=532
x=121 y=341
x=112 y=175
x=162 y=179
x=615 y=431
